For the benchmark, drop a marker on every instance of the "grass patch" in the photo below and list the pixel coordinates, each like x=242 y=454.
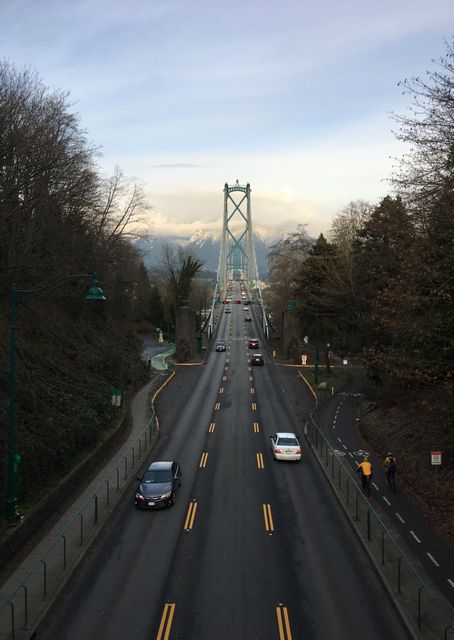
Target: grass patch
x=334 y=381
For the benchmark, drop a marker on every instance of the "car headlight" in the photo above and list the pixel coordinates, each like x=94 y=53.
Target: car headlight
x=139 y=496
x=166 y=495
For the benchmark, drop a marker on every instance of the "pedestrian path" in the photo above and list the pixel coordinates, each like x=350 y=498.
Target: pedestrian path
x=35 y=581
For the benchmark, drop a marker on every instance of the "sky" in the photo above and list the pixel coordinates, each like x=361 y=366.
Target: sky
x=293 y=97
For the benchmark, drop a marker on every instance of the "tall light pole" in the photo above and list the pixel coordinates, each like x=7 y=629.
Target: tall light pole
x=12 y=459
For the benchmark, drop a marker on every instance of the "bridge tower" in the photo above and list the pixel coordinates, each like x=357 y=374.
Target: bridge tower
x=237 y=249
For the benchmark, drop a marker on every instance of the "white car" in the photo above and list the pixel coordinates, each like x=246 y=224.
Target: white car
x=285 y=446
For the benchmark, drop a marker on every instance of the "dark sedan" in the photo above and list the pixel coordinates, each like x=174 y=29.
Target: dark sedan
x=220 y=345
x=257 y=358
x=158 y=485
x=253 y=343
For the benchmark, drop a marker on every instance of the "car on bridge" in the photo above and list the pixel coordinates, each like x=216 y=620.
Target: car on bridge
x=220 y=345
x=285 y=446
x=247 y=319
x=257 y=358
x=228 y=310
x=158 y=486
x=253 y=343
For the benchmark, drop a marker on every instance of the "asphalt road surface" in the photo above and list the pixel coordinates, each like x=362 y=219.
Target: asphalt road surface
x=252 y=549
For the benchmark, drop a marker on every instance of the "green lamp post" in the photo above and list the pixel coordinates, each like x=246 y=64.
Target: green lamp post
x=12 y=459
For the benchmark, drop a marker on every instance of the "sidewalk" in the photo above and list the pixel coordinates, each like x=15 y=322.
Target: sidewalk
x=37 y=579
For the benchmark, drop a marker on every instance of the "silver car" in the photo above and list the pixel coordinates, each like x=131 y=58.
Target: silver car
x=285 y=446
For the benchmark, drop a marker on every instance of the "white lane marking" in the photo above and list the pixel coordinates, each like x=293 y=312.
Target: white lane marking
x=339 y=439
x=350 y=454
x=387 y=501
x=415 y=537
x=400 y=517
x=375 y=486
x=451 y=582
x=344 y=447
x=433 y=559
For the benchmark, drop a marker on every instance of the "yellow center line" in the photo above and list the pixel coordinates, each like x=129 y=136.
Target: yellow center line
x=224 y=378
x=269 y=525
x=226 y=368
x=256 y=427
x=166 y=621
x=221 y=390
x=203 y=459
x=217 y=406
x=251 y=378
x=283 y=621
x=260 y=463
x=253 y=406
x=189 y=522
x=212 y=427
x=252 y=390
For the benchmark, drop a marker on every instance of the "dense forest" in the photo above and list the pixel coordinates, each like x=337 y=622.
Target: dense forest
x=60 y=216
x=380 y=285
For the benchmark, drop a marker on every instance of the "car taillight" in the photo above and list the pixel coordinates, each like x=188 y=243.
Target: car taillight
x=278 y=451
x=298 y=451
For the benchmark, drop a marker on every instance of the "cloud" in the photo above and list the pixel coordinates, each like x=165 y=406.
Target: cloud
x=179 y=165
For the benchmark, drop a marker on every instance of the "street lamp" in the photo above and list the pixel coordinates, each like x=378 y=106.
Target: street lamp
x=94 y=293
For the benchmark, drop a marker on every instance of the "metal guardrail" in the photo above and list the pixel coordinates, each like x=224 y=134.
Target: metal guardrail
x=424 y=614
x=24 y=607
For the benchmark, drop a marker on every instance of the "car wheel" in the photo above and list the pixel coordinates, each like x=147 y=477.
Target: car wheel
x=172 y=499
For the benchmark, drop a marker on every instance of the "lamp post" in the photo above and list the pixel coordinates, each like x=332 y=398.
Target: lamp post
x=12 y=459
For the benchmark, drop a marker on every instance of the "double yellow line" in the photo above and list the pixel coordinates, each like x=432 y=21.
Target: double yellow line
x=283 y=623
x=269 y=524
x=189 y=522
x=166 y=621
x=260 y=463
x=203 y=460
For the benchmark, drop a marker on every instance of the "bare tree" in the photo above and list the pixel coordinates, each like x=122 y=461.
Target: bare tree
x=428 y=167
x=123 y=206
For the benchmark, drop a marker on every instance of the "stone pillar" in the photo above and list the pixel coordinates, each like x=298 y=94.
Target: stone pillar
x=185 y=334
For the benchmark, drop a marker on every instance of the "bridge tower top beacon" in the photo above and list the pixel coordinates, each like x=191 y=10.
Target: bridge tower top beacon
x=237 y=249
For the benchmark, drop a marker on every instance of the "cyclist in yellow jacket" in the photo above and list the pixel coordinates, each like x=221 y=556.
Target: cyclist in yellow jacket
x=365 y=468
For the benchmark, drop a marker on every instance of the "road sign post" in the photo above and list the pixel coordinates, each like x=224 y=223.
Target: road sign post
x=436 y=462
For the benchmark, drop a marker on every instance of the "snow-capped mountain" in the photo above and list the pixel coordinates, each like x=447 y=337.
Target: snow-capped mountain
x=207 y=247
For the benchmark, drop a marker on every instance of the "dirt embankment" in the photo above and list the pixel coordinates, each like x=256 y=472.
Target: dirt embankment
x=412 y=428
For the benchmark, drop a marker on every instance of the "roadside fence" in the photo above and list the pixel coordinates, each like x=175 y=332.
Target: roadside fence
x=20 y=611
x=423 y=612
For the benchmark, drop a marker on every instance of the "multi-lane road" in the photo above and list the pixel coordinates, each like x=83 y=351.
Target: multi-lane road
x=252 y=549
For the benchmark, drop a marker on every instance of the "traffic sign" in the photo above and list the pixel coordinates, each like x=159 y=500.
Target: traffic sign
x=436 y=457
x=291 y=304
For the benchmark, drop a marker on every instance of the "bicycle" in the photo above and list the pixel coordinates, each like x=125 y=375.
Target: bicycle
x=391 y=480
x=365 y=481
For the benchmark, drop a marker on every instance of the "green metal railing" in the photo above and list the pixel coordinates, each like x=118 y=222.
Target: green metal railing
x=20 y=610
x=424 y=613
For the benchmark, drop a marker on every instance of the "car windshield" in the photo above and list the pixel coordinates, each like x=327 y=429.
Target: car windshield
x=157 y=476
x=289 y=441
